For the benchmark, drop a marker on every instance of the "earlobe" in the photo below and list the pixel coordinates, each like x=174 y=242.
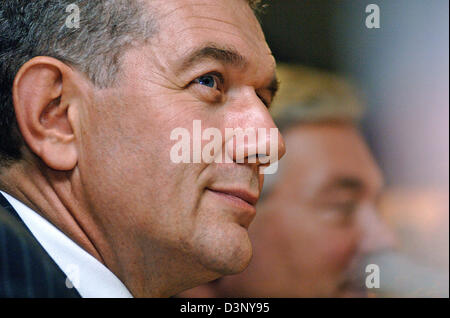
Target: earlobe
x=41 y=106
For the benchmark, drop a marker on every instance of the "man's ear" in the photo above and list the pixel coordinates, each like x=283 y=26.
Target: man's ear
x=41 y=94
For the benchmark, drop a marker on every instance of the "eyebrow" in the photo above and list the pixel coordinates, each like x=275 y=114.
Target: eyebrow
x=348 y=183
x=224 y=55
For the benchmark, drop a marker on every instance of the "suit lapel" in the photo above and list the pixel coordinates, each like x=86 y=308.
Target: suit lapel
x=8 y=207
x=26 y=268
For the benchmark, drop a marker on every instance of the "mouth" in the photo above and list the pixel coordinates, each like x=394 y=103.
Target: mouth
x=243 y=195
x=241 y=200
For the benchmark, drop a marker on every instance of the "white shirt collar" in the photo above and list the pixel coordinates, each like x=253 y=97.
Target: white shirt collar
x=90 y=277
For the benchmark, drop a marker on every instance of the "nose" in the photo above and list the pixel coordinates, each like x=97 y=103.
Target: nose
x=376 y=235
x=252 y=136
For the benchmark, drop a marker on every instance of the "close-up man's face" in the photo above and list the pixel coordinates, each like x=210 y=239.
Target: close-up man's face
x=136 y=137
x=208 y=61
x=317 y=221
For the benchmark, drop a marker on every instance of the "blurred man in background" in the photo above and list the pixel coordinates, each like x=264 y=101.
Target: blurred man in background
x=318 y=218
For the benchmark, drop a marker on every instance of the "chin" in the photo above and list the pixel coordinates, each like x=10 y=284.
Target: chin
x=225 y=252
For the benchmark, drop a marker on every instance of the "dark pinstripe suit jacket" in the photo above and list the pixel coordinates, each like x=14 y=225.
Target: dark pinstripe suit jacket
x=26 y=270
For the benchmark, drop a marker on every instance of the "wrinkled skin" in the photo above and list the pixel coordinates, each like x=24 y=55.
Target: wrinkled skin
x=172 y=222
x=318 y=221
x=104 y=174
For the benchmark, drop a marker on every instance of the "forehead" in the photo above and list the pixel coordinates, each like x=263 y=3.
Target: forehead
x=187 y=24
x=321 y=152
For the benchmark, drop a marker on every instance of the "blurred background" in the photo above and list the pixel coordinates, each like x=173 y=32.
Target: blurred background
x=402 y=70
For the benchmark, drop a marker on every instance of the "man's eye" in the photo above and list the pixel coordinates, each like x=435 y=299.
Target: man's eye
x=347 y=207
x=210 y=80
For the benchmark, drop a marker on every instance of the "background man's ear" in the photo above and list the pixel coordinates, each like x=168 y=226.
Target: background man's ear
x=42 y=111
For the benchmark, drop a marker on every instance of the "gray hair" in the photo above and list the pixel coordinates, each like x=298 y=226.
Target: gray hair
x=307 y=96
x=38 y=28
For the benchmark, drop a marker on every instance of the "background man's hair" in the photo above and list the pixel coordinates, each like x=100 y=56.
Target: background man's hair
x=308 y=95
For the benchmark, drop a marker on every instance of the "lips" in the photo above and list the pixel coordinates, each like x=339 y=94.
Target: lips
x=242 y=202
x=240 y=194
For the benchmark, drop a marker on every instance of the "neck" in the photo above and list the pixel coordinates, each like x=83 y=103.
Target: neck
x=148 y=270
x=50 y=193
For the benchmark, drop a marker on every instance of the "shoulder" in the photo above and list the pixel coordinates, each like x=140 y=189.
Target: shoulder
x=26 y=270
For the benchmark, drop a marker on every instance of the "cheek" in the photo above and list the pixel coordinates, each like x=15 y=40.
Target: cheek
x=290 y=241
x=316 y=246
x=340 y=248
x=127 y=149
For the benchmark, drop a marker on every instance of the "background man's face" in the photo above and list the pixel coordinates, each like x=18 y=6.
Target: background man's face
x=317 y=221
x=158 y=205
